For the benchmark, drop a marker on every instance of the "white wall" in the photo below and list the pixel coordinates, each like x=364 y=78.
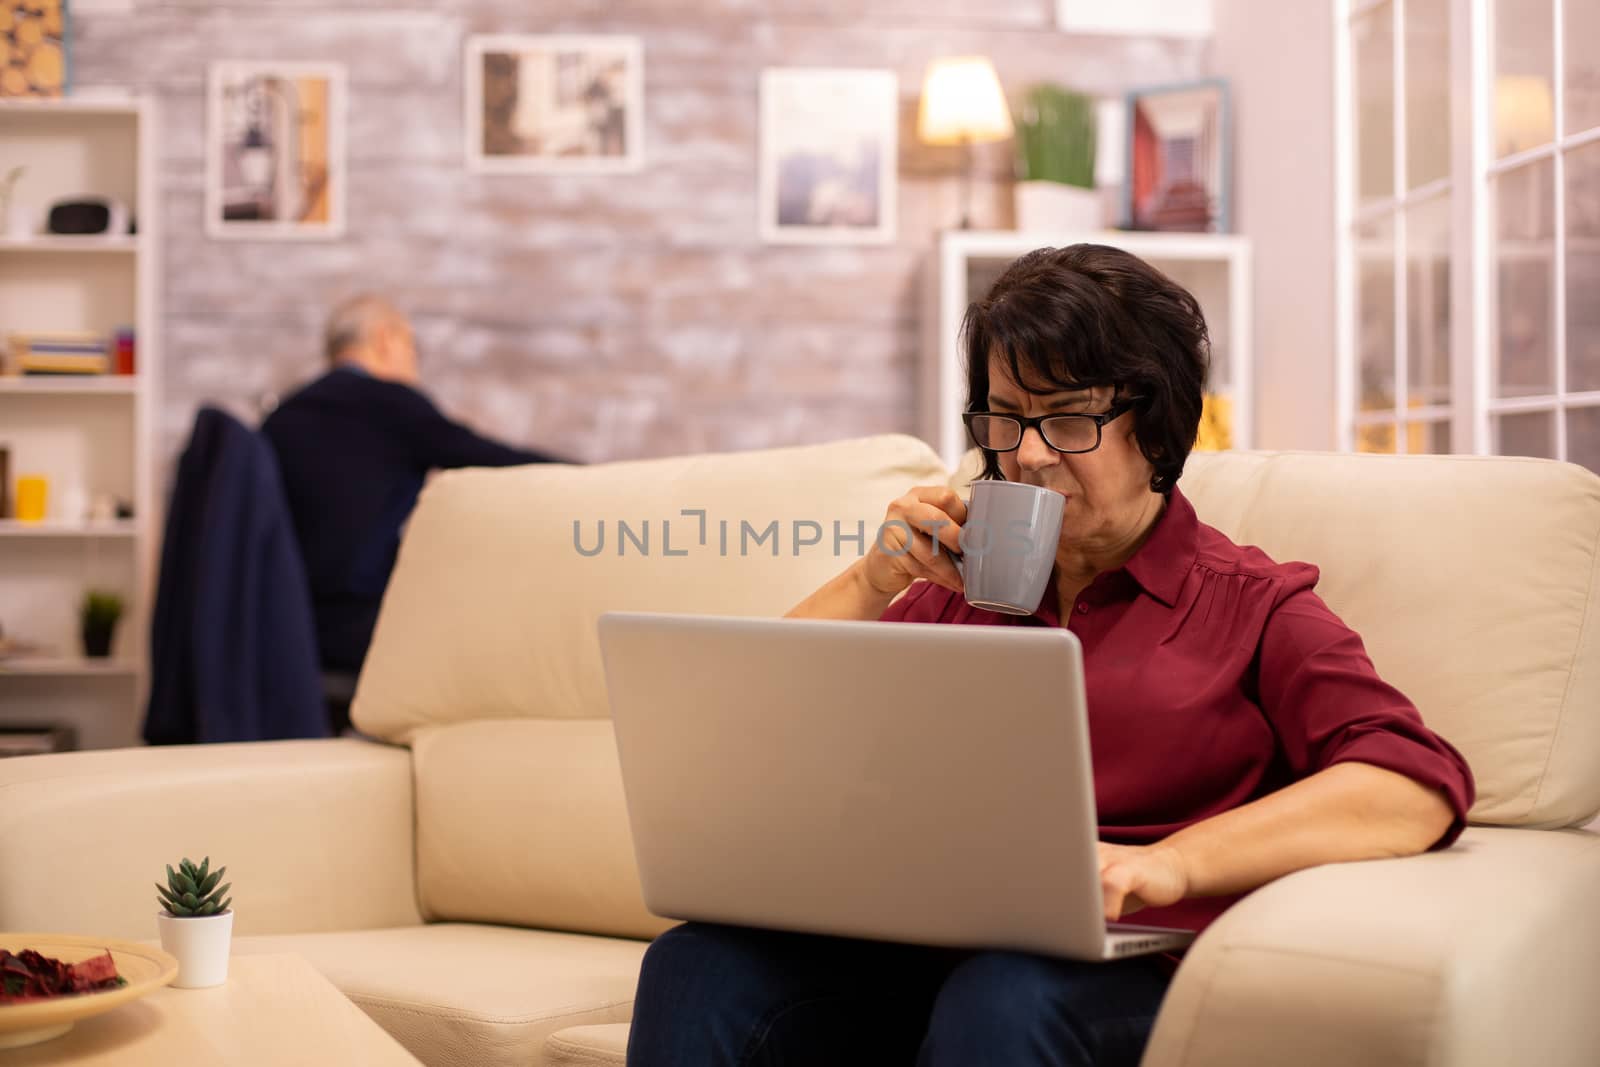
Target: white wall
x=1278 y=58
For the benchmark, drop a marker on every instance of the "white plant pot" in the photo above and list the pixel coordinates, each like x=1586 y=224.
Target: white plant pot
x=20 y=221
x=1057 y=208
x=201 y=946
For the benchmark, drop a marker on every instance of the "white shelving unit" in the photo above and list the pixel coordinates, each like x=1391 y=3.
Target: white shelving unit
x=76 y=667
x=109 y=385
x=70 y=528
x=86 y=435
x=1214 y=267
x=79 y=245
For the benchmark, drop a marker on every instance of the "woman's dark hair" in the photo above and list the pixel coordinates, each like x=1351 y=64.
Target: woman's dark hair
x=1090 y=315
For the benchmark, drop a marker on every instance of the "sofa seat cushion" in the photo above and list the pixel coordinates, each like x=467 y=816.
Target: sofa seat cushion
x=460 y=994
x=600 y=1045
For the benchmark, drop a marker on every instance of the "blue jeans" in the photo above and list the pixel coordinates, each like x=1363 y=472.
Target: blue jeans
x=724 y=996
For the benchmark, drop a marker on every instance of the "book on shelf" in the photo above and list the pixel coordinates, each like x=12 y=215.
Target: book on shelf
x=87 y=338
x=58 y=352
x=43 y=363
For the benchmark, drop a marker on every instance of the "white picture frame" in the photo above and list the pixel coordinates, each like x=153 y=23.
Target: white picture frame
x=1139 y=18
x=829 y=156
x=555 y=130
x=255 y=189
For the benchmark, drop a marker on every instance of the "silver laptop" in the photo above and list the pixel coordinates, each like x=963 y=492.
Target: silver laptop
x=901 y=782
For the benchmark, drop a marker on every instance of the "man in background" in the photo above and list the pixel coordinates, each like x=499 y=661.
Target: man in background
x=354 y=448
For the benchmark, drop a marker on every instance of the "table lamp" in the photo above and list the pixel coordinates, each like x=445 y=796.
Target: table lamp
x=963 y=104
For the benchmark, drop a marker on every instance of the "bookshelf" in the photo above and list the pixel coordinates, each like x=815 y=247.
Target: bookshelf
x=88 y=435
x=66 y=667
x=70 y=528
x=104 y=385
x=1214 y=267
x=55 y=245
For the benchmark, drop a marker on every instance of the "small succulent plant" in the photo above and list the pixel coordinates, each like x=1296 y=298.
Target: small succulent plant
x=192 y=892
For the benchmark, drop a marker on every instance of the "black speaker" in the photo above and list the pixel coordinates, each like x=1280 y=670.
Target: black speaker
x=86 y=215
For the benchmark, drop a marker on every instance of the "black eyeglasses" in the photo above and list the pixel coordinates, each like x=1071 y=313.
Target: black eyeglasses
x=997 y=432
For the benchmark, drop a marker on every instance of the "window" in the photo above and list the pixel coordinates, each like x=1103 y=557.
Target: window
x=1469 y=214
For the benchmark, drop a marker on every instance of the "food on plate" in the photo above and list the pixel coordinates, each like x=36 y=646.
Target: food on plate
x=29 y=975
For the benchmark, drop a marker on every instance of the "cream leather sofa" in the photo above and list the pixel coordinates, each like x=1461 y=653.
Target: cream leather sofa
x=468 y=878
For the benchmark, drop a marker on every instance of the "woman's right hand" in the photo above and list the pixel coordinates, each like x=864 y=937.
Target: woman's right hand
x=925 y=513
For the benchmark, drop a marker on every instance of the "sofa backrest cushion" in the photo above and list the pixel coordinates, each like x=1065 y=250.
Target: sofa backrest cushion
x=486 y=660
x=1473 y=583
x=491 y=611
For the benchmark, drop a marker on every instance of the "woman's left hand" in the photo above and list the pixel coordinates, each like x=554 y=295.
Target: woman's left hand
x=1140 y=876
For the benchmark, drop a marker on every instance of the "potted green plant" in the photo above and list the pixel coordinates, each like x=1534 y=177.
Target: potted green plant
x=1055 y=161
x=100 y=613
x=196 y=923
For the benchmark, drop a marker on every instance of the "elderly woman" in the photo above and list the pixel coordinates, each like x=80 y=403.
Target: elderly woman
x=1239 y=730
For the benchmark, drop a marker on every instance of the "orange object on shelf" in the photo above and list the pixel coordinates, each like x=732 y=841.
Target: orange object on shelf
x=123 y=361
x=33 y=494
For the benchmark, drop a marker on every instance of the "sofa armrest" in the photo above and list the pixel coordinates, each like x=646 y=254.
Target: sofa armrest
x=1486 y=953
x=316 y=835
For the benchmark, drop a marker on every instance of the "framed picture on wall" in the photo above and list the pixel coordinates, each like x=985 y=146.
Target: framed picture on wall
x=554 y=104
x=1178 y=148
x=34 y=48
x=275 y=150
x=829 y=156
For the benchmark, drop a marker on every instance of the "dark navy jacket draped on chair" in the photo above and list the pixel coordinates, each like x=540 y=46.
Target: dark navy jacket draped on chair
x=233 y=646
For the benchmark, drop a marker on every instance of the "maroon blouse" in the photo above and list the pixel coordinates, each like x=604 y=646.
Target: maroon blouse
x=1216 y=676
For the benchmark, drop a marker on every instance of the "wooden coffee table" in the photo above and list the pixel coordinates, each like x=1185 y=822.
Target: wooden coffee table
x=273 y=1009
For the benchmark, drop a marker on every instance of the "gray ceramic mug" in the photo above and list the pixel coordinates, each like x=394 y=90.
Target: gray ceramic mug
x=1008 y=545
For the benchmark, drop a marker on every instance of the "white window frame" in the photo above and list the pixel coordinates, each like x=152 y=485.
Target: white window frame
x=1473 y=299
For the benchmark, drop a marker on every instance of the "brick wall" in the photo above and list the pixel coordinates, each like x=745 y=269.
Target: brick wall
x=606 y=316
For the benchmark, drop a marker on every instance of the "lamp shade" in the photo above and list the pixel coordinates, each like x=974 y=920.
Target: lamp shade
x=1524 y=112
x=962 y=102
